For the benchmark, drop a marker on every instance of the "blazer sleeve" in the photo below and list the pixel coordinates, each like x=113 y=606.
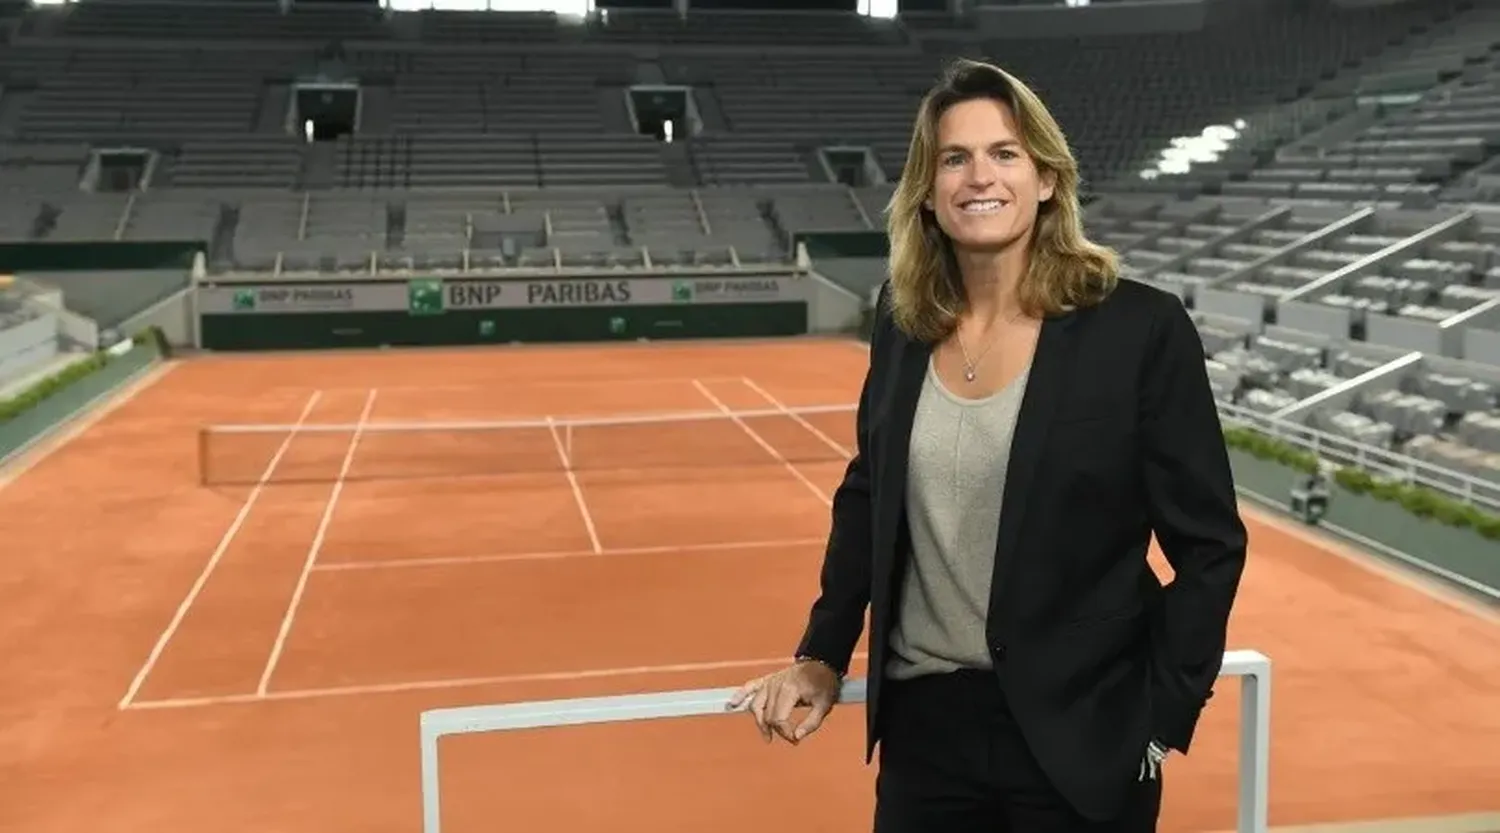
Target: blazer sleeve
x=838 y=614
x=1195 y=516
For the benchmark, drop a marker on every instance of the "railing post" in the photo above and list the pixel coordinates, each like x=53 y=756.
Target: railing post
x=431 y=803
x=1253 y=808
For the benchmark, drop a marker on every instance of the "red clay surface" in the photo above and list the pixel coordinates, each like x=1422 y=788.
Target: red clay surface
x=286 y=698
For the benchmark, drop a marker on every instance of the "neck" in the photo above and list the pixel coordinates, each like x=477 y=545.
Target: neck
x=990 y=282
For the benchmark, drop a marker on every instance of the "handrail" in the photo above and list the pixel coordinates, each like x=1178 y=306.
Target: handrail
x=1464 y=487
x=1253 y=669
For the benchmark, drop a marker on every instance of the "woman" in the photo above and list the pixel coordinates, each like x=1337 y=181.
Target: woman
x=1028 y=421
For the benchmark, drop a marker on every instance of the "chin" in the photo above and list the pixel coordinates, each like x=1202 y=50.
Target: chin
x=985 y=242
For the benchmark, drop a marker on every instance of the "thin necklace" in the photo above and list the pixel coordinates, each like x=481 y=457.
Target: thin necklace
x=970 y=365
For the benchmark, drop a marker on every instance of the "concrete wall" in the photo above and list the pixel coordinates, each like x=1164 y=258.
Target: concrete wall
x=27 y=346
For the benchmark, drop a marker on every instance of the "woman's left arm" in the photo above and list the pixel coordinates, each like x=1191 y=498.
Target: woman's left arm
x=1190 y=496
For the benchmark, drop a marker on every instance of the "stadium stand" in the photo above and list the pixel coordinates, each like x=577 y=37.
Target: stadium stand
x=1319 y=182
x=1310 y=178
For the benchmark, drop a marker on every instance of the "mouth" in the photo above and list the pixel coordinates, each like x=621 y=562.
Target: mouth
x=982 y=206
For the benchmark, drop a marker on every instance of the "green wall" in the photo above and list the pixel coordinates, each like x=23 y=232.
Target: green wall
x=17 y=433
x=287 y=331
x=1462 y=552
x=103 y=256
x=843 y=243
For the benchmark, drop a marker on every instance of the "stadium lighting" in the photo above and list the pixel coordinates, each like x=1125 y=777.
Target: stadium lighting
x=1075 y=4
x=1183 y=152
x=563 y=8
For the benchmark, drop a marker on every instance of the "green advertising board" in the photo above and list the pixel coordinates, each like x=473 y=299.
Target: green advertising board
x=472 y=311
x=424 y=297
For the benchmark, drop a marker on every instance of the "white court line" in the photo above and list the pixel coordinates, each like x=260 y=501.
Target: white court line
x=778 y=405
x=759 y=440
x=635 y=381
x=463 y=682
x=317 y=545
x=218 y=554
x=583 y=507
x=1466 y=823
x=556 y=555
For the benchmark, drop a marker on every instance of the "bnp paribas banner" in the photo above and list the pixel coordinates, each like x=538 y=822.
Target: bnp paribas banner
x=436 y=296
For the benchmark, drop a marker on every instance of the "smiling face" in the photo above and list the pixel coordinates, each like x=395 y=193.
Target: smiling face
x=986 y=187
x=989 y=189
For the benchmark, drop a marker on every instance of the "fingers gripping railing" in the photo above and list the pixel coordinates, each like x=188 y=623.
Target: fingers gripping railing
x=1252 y=667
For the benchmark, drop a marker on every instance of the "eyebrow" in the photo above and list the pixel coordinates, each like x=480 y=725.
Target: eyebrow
x=1003 y=143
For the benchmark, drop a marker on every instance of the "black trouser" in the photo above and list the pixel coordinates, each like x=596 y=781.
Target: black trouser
x=952 y=760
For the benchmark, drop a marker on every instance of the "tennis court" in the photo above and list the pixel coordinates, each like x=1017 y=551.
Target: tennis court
x=234 y=629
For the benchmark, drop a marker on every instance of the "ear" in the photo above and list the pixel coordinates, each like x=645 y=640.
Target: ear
x=1049 y=184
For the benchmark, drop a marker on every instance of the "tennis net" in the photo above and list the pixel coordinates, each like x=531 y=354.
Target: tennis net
x=325 y=453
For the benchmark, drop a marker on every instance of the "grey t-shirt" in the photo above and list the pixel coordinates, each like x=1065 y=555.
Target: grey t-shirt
x=958 y=456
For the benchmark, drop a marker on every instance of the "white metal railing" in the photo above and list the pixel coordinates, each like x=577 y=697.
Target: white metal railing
x=1334 y=448
x=1252 y=667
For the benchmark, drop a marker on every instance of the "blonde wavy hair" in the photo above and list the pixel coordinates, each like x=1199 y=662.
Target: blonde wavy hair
x=1066 y=271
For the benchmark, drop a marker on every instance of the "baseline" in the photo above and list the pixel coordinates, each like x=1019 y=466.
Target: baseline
x=460 y=682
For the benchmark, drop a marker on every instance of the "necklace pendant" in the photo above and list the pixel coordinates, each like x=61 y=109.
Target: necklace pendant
x=969 y=374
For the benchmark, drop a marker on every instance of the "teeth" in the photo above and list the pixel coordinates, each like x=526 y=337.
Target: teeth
x=982 y=205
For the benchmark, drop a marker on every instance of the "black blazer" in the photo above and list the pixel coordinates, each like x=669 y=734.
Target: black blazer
x=1118 y=437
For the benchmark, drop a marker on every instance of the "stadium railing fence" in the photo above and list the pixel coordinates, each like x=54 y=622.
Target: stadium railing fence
x=1333 y=448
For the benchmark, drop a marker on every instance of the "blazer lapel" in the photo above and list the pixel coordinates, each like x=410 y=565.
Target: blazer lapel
x=1051 y=373
x=911 y=368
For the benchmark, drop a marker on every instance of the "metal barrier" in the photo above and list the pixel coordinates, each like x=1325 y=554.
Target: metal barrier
x=1252 y=667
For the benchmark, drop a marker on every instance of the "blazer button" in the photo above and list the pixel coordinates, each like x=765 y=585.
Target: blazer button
x=998 y=650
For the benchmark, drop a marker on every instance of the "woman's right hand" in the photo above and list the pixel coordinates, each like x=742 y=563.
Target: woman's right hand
x=772 y=698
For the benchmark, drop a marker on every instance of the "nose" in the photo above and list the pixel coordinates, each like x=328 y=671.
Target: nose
x=981 y=173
